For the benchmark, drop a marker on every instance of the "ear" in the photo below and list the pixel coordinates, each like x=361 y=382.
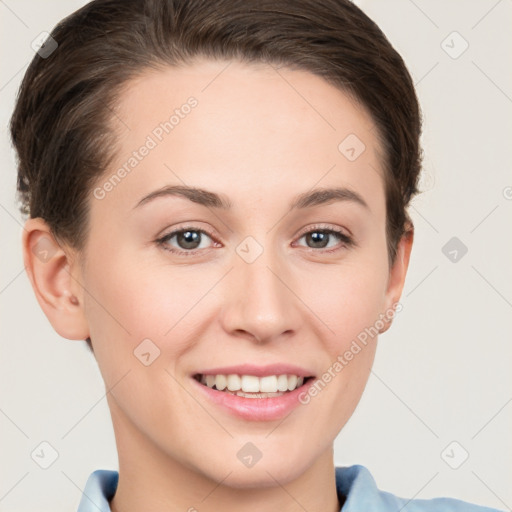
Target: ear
x=397 y=275
x=55 y=277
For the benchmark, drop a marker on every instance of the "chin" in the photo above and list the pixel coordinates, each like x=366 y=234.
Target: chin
x=278 y=470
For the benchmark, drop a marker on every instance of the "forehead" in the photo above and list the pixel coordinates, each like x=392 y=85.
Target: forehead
x=230 y=126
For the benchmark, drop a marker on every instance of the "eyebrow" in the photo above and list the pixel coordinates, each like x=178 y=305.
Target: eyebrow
x=209 y=199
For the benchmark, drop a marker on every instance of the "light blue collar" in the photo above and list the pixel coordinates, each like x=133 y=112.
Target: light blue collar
x=355 y=483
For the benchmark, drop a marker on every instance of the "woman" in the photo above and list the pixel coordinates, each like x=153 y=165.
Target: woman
x=218 y=200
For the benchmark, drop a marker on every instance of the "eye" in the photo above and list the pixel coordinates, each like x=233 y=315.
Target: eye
x=188 y=240
x=321 y=238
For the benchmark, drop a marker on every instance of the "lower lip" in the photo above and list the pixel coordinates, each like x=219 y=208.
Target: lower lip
x=255 y=409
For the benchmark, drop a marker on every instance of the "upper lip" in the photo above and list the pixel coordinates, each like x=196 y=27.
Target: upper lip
x=258 y=371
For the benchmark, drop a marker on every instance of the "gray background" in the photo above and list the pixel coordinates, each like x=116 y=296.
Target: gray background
x=442 y=372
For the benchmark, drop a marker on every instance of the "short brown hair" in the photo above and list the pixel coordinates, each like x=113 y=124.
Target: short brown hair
x=62 y=123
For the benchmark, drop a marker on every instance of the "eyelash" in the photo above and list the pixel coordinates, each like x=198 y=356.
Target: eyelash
x=345 y=239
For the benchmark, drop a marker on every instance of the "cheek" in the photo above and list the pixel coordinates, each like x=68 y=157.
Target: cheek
x=128 y=303
x=132 y=299
x=133 y=308
x=346 y=298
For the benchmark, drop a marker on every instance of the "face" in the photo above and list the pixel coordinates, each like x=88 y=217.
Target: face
x=256 y=271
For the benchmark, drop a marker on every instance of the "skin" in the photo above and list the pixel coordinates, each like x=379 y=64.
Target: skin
x=253 y=138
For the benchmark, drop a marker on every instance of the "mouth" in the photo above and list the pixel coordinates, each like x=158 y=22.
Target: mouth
x=253 y=392
x=253 y=386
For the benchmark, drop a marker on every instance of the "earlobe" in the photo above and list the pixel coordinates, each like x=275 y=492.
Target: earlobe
x=397 y=276
x=51 y=270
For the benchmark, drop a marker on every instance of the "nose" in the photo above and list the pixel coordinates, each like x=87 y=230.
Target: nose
x=260 y=303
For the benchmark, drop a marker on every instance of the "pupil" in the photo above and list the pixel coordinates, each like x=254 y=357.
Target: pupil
x=187 y=239
x=318 y=238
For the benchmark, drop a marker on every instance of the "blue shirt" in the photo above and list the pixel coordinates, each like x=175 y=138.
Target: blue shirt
x=354 y=484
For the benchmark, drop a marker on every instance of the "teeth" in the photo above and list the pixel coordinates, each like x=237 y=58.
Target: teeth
x=256 y=395
x=234 y=382
x=221 y=382
x=241 y=384
x=292 y=382
x=268 y=384
x=282 y=383
x=250 y=384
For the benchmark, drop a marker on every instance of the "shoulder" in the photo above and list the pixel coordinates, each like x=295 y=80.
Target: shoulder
x=358 y=487
x=99 y=490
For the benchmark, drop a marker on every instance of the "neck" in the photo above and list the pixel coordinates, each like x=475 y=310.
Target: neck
x=154 y=481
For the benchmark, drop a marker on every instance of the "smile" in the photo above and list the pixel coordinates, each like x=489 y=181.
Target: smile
x=253 y=393
x=252 y=386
